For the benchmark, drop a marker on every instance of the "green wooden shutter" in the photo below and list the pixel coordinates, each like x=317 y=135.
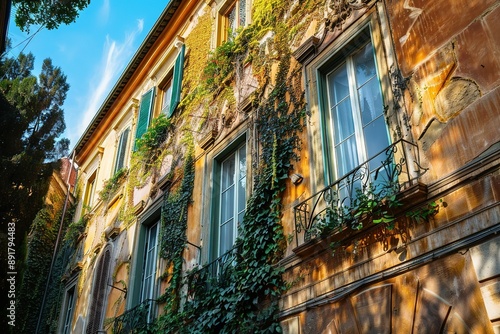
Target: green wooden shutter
x=177 y=81
x=144 y=113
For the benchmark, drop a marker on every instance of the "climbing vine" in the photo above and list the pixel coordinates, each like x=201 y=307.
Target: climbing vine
x=41 y=245
x=172 y=244
x=111 y=186
x=243 y=295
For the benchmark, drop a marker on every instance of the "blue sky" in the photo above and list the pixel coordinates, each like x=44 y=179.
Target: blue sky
x=92 y=52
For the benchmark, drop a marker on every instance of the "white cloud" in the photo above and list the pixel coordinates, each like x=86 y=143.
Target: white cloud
x=104 y=11
x=140 y=24
x=116 y=55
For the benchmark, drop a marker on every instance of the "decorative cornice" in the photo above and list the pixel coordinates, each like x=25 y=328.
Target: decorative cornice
x=338 y=11
x=207 y=141
x=306 y=50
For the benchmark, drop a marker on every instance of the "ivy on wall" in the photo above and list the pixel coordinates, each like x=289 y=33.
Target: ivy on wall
x=111 y=186
x=172 y=244
x=40 y=250
x=40 y=247
x=243 y=297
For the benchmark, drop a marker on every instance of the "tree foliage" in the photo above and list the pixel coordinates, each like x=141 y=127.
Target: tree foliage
x=32 y=121
x=49 y=13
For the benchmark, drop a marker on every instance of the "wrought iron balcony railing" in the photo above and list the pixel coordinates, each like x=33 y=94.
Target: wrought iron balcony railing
x=213 y=273
x=337 y=206
x=136 y=320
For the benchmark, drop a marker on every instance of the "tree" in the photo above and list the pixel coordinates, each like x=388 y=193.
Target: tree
x=31 y=132
x=50 y=13
x=32 y=121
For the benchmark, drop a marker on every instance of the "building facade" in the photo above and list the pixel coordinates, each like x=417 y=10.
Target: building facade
x=315 y=166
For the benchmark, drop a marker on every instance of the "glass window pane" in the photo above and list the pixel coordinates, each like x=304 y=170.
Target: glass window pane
x=338 y=85
x=242 y=12
x=153 y=234
x=347 y=156
x=242 y=178
x=242 y=156
x=364 y=64
x=376 y=138
x=226 y=237
x=167 y=97
x=241 y=197
x=147 y=288
x=232 y=19
x=343 y=119
x=370 y=101
x=227 y=173
x=227 y=205
x=240 y=218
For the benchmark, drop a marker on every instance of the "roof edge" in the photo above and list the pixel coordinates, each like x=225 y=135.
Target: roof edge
x=126 y=75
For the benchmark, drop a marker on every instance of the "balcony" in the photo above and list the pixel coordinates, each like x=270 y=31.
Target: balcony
x=371 y=193
x=137 y=319
x=215 y=273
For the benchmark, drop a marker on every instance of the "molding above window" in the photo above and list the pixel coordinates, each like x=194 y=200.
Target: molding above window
x=307 y=50
x=168 y=57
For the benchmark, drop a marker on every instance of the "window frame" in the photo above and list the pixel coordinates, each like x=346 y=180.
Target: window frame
x=170 y=86
x=345 y=55
x=69 y=309
x=224 y=11
x=373 y=20
x=148 y=251
x=149 y=218
x=90 y=191
x=65 y=318
x=215 y=192
x=122 y=150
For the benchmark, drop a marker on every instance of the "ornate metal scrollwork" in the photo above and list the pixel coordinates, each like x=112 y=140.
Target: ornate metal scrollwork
x=335 y=206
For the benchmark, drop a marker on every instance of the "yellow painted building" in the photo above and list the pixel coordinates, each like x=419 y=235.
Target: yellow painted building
x=306 y=166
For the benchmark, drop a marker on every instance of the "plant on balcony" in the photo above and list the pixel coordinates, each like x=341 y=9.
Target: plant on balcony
x=148 y=145
x=220 y=67
x=147 y=156
x=370 y=204
x=111 y=186
x=75 y=229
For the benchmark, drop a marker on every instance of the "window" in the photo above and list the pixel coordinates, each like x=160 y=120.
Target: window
x=166 y=97
x=143 y=278
x=233 y=15
x=355 y=126
x=149 y=263
x=121 y=152
x=68 y=307
x=89 y=191
x=145 y=290
x=230 y=180
x=171 y=89
x=98 y=304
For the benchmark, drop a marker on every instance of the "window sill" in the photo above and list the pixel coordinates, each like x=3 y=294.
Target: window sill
x=118 y=195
